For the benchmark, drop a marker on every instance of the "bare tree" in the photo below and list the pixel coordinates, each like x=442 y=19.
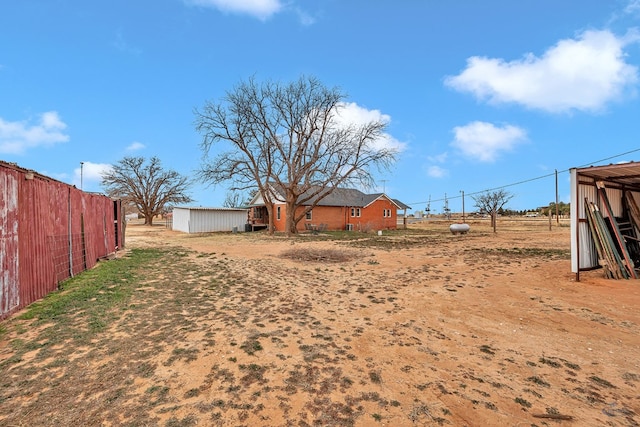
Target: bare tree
x=236 y=199
x=491 y=202
x=147 y=186
x=289 y=135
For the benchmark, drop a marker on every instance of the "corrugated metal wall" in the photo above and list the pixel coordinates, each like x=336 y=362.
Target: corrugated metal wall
x=585 y=256
x=180 y=219
x=9 y=290
x=207 y=220
x=50 y=232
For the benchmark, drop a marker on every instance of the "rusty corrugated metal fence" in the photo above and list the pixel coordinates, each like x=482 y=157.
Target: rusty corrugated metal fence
x=49 y=231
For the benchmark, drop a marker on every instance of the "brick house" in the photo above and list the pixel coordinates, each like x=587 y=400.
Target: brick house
x=343 y=209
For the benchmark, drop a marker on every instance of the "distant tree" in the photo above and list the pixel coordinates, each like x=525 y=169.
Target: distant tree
x=146 y=185
x=232 y=199
x=289 y=135
x=563 y=209
x=492 y=202
x=237 y=199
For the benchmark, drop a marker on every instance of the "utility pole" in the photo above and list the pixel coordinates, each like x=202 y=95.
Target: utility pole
x=81 y=167
x=462 y=191
x=428 y=209
x=446 y=209
x=557 y=212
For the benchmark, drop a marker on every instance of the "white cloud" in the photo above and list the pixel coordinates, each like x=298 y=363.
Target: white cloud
x=89 y=173
x=633 y=7
x=352 y=114
x=305 y=18
x=437 y=172
x=18 y=137
x=484 y=141
x=438 y=158
x=261 y=9
x=135 y=146
x=584 y=74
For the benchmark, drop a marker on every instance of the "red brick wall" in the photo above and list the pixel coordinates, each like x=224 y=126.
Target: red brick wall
x=279 y=222
x=333 y=216
x=371 y=218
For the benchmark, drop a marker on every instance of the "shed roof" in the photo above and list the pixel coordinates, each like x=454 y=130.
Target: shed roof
x=624 y=174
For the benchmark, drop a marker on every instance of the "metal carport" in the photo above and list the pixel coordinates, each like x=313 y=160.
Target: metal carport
x=617 y=179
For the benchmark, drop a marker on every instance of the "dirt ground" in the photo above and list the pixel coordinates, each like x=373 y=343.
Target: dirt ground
x=410 y=328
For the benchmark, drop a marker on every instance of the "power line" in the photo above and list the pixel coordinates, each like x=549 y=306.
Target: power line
x=528 y=180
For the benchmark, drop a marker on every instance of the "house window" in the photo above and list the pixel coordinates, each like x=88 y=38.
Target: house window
x=386 y=213
x=308 y=216
x=278 y=213
x=355 y=212
x=257 y=213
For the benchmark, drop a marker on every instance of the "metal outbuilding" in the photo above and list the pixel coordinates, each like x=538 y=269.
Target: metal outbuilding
x=618 y=180
x=206 y=220
x=49 y=231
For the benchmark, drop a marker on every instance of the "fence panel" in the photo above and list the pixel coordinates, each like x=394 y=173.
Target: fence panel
x=49 y=231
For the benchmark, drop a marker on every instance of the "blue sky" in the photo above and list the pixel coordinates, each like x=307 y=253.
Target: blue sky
x=477 y=94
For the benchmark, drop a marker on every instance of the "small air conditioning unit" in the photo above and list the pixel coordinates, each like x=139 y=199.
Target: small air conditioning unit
x=349 y=227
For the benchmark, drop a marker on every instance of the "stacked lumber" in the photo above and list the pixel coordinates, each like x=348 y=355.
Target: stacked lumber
x=608 y=255
x=614 y=245
x=617 y=234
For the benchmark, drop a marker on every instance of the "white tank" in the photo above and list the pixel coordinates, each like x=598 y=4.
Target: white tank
x=459 y=228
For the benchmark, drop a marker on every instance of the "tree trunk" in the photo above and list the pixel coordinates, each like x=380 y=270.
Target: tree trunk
x=290 y=224
x=270 y=226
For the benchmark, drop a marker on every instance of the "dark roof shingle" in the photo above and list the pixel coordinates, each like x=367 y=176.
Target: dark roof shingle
x=344 y=197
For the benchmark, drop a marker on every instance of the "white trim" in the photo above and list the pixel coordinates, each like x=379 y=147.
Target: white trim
x=383 y=196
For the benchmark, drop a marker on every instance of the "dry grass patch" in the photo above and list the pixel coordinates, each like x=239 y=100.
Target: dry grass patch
x=320 y=255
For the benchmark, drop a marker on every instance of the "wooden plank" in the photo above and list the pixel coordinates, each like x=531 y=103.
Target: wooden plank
x=554 y=416
x=616 y=230
x=611 y=255
x=603 y=256
x=616 y=262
